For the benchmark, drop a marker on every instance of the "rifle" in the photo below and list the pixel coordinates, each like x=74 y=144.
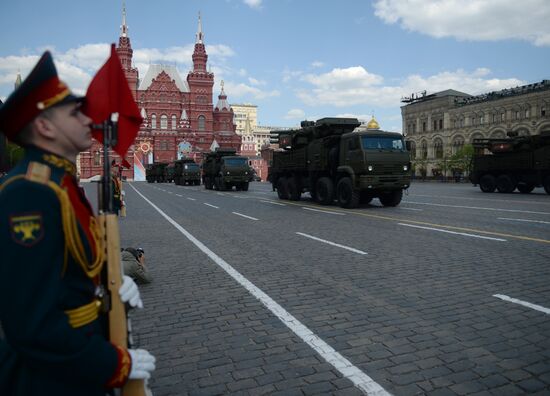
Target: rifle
x=119 y=324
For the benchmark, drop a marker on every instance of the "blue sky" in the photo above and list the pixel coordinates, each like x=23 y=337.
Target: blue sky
x=295 y=59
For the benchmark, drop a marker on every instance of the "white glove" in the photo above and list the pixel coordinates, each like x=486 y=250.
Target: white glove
x=143 y=363
x=129 y=292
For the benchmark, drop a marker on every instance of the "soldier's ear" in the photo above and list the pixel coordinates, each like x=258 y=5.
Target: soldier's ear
x=44 y=127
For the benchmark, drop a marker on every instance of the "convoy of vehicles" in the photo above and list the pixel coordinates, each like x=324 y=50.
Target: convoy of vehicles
x=223 y=169
x=521 y=162
x=330 y=161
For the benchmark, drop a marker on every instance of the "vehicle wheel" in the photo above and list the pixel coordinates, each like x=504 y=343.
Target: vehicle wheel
x=347 y=196
x=526 y=188
x=505 y=184
x=325 y=191
x=392 y=198
x=546 y=184
x=294 y=190
x=282 y=188
x=487 y=183
x=244 y=186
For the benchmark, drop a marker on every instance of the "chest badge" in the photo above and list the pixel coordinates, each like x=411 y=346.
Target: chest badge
x=27 y=230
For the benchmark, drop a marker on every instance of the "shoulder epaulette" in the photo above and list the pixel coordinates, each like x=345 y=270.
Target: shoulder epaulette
x=38 y=173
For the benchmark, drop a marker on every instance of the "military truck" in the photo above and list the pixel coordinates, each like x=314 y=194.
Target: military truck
x=169 y=173
x=155 y=173
x=223 y=169
x=521 y=162
x=186 y=171
x=330 y=161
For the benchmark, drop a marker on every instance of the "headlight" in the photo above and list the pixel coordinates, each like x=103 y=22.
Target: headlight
x=405 y=168
x=370 y=168
x=227 y=173
x=246 y=173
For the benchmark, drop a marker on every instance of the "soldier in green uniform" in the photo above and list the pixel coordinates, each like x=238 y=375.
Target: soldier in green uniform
x=54 y=328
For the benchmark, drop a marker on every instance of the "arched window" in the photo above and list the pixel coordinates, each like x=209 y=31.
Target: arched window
x=424 y=150
x=153 y=121
x=97 y=158
x=413 y=149
x=164 y=121
x=438 y=148
x=174 y=122
x=543 y=111
x=202 y=123
x=458 y=143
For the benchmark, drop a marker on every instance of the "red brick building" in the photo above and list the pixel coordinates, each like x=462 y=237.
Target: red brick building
x=179 y=118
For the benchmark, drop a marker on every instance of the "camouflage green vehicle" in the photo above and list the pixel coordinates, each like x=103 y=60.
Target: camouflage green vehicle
x=186 y=171
x=330 y=161
x=155 y=173
x=223 y=169
x=169 y=173
x=521 y=162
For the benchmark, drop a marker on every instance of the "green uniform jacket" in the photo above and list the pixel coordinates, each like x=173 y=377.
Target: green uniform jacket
x=42 y=353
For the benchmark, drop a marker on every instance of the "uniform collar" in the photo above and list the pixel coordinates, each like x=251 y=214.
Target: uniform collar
x=51 y=159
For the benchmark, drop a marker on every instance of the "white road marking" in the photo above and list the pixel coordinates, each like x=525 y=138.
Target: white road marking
x=528 y=221
x=324 y=211
x=191 y=199
x=418 y=210
x=207 y=204
x=248 y=217
x=476 y=207
x=524 y=303
x=239 y=196
x=332 y=243
x=179 y=195
x=454 y=232
x=359 y=378
x=219 y=193
x=170 y=192
x=273 y=203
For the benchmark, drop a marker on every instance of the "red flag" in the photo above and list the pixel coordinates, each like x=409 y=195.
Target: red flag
x=126 y=164
x=109 y=93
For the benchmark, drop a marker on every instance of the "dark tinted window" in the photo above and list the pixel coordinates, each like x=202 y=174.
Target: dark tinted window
x=382 y=143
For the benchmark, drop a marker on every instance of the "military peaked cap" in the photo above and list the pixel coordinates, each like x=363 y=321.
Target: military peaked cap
x=41 y=90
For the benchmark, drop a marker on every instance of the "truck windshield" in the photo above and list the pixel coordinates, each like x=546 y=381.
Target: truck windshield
x=191 y=166
x=234 y=161
x=382 y=143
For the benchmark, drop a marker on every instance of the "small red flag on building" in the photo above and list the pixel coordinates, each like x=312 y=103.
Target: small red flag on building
x=109 y=93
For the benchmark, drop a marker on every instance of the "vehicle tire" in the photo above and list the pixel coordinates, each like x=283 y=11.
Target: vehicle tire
x=487 y=183
x=325 y=191
x=526 y=188
x=392 y=198
x=505 y=184
x=244 y=186
x=294 y=189
x=546 y=184
x=282 y=188
x=347 y=196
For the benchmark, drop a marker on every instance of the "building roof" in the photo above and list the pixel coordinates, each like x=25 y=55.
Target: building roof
x=155 y=70
x=451 y=92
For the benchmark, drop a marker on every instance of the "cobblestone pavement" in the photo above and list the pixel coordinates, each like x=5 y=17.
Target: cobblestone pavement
x=416 y=314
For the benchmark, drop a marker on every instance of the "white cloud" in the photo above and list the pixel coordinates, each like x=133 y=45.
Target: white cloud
x=254 y=81
x=317 y=64
x=356 y=86
x=239 y=90
x=253 y=3
x=360 y=117
x=295 y=114
x=476 y=20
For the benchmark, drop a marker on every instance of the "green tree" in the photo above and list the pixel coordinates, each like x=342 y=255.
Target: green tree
x=462 y=159
x=14 y=153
